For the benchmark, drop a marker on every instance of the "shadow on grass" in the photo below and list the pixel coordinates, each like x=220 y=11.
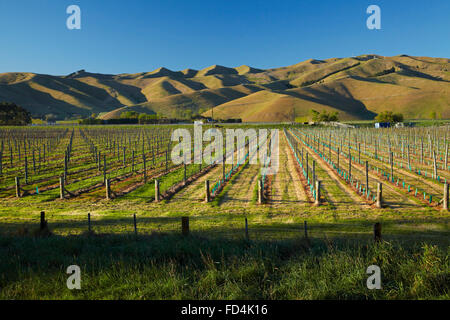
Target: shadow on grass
x=172 y=266
x=434 y=231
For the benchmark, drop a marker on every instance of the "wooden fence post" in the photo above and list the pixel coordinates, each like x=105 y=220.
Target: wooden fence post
x=359 y=153
x=104 y=169
x=17 y=187
x=379 y=195
x=207 y=194
x=317 y=202
x=185 y=226
x=446 y=156
x=135 y=224
x=314 y=172
x=26 y=170
x=349 y=167
x=43 y=223
x=260 y=192
x=66 y=159
x=435 y=172
x=246 y=230
x=377 y=232
x=302 y=157
x=108 y=190
x=89 y=222
x=145 y=168
x=367 y=178
x=223 y=168
x=307 y=166
x=409 y=159
x=329 y=148
x=445 y=200
x=338 y=152
x=167 y=162
x=156 y=190
x=392 y=166
x=61 y=188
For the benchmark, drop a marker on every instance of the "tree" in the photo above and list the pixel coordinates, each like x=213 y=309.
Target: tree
x=389 y=116
x=323 y=116
x=147 y=118
x=129 y=115
x=433 y=115
x=315 y=115
x=13 y=115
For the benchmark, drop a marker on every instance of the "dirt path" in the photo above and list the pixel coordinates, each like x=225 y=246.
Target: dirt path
x=287 y=187
x=196 y=190
x=241 y=192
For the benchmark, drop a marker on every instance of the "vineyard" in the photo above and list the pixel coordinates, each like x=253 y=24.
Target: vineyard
x=331 y=185
x=132 y=163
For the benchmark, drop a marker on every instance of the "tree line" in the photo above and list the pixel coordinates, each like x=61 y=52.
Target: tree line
x=13 y=115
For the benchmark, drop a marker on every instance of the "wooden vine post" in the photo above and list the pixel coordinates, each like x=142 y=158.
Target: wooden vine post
x=317 y=201
x=367 y=178
x=349 y=167
x=260 y=192
x=338 y=159
x=108 y=189
x=445 y=199
x=377 y=232
x=61 y=188
x=43 y=222
x=145 y=168
x=207 y=194
x=435 y=172
x=185 y=226
x=379 y=202
x=157 y=196
x=17 y=180
x=104 y=169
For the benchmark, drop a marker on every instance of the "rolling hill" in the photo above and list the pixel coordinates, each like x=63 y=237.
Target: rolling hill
x=357 y=87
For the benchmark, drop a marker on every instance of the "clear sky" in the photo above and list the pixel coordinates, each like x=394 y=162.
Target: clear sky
x=135 y=36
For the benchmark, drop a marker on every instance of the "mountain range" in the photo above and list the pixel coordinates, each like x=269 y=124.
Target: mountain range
x=358 y=88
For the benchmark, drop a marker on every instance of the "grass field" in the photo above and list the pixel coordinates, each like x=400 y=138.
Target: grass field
x=217 y=260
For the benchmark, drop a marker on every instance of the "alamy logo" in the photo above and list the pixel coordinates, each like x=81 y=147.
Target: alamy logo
x=374 y=20
x=262 y=146
x=74 y=20
x=374 y=280
x=74 y=280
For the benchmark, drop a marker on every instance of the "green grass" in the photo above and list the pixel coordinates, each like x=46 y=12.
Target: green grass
x=174 y=267
x=215 y=262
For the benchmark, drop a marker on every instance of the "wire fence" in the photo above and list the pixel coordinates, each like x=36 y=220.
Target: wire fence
x=215 y=228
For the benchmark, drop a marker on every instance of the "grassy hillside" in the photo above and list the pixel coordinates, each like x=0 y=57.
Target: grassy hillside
x=357 y=87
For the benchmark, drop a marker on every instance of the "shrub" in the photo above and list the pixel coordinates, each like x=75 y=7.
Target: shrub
x=13 y=115
x=389 y=116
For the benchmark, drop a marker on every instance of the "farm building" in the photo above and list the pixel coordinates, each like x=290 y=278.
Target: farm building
x=382 y=125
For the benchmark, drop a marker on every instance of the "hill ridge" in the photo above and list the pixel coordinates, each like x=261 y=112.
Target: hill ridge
x=357 y=87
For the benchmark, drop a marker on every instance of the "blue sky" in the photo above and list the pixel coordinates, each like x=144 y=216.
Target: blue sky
x=135 y=36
